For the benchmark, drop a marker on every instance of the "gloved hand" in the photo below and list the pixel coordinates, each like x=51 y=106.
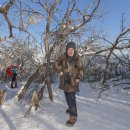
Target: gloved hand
x=60 y=74
x=77 y=80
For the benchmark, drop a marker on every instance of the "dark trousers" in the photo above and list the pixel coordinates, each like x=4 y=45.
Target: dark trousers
x=13 y=84
x=71 y=102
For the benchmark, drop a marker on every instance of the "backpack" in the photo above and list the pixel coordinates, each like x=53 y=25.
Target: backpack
x=11 y=70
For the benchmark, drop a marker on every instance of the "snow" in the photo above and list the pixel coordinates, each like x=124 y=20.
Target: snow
x=110 y=112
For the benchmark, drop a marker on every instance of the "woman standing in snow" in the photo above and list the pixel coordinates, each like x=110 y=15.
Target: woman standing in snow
x=70 y=69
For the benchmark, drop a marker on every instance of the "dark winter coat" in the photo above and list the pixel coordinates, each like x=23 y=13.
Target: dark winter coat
x=14 y=76
x=72 y=70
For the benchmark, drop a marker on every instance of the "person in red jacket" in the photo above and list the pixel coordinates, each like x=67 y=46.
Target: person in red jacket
x=11 y=72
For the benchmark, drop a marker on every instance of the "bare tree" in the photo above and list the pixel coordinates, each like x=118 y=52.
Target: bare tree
x=59 y=34
x=4 y=11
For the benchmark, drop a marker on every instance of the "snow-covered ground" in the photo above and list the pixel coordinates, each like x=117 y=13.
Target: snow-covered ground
x=110 y=112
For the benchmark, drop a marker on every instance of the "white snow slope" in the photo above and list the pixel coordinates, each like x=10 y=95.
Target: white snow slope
x=110 y=112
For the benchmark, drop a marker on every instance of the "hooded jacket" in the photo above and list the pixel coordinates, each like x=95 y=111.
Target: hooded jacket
x=72 y=70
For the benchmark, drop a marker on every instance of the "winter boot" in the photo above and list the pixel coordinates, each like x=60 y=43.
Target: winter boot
x=12 y=85
x=71 y=121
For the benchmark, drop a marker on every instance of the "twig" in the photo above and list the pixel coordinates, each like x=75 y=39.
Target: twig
x=28 y=112
x=104 y=89
x=35 y=100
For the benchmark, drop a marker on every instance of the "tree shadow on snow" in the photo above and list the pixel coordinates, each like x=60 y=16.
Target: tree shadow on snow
x=7 y=120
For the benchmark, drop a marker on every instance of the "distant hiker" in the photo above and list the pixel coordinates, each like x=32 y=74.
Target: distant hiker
x=12 y=73
x=70 y=69
x=14 y=79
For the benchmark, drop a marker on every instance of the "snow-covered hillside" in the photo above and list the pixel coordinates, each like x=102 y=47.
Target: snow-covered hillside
x=111 y=112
